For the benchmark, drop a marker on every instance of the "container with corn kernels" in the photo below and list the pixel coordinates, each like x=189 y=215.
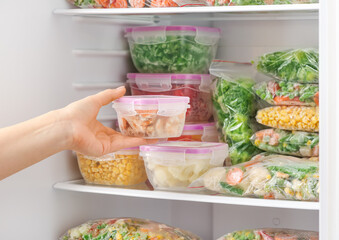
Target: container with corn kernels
x=121 y=168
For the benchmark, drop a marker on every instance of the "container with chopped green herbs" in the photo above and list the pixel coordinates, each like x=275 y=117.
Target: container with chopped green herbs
x=271 y=177
x=234 y=108
x=126 y=229
x=297 y=65
x=172 y=49
x=288 y=93
x=294 y=143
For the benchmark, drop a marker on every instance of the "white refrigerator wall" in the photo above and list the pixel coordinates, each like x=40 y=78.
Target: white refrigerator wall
x=37 y=74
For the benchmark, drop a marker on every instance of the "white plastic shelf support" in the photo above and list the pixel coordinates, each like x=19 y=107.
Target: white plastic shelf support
x=142 y=191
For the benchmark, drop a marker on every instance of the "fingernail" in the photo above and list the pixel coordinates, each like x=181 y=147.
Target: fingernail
x=120 y=88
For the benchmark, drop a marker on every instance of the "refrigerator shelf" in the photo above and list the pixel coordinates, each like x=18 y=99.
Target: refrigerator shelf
x=219 y=9
x=143 y=191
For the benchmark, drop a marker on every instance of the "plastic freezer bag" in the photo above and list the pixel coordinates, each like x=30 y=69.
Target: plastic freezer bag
x=127 y=229
x=256 y=2
x=234 y=105
x=122 y=3
x=271 y=234
x=288 y=93
x=272 y=176
x=303 y=144
x=297 y=65
x=297 y=118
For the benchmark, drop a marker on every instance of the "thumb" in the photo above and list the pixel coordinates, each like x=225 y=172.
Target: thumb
x=105 y=97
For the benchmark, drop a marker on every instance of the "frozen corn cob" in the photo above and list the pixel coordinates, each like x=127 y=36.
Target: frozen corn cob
x=290 y=118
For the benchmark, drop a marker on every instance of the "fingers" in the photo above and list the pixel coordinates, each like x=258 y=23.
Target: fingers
x=105 y=97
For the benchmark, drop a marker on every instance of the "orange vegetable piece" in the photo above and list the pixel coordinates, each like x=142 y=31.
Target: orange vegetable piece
x=316 y=98
x=234 y=176
x=137 y=3
x=119 y=4
x=163 y=3
x=285 y=237
x=104 y=3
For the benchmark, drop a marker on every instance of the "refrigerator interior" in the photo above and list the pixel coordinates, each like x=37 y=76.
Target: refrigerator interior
x=46 y=65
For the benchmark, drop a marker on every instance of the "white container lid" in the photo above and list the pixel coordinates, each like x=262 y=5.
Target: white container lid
x=157 y=34
x=112 y=156
x=160 y=82
x=178 y=152
x=165 y=105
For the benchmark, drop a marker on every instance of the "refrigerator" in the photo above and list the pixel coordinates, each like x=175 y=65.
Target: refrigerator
x=52 y=54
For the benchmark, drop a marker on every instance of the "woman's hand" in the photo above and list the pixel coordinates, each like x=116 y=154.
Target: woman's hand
x=87 y=135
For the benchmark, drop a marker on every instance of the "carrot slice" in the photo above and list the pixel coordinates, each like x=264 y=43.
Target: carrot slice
x=285 y=237
x=316 y=98
x=119 y=4
x=137 y=3
x=104 y=3
x=234 y=176
x=163 y=3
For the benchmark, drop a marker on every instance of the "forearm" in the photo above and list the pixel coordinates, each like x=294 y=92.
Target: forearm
x=27 y=143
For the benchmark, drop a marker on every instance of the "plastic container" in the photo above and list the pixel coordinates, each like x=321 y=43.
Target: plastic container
x=194 y=86
x=201 y=132
x=295 y=143
x=297 y=118
x=270 y=234
x=121 y=168
x=126 y=228
x=172 y=49
x=151 y=116
x=288 y=93
x=174 y=165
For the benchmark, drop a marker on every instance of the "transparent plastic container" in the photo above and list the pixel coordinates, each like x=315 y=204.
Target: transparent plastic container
x=151 y=116
x=121 y=168
x=175 y=165
x=201 y=132
x=172 y=49
x=194 y=86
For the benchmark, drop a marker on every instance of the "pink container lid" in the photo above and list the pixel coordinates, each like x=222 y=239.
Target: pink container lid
x=152 y=99
x=173 y=76
x=172 y=28
x=184 y=147
x=198 y=126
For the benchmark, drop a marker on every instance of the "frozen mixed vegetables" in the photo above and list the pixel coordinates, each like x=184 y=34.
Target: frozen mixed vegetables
x=288 y=93
x=273 y=177
x=256 y=2
x=295 y=143
x=126 y=229
x=271 y=234
x=298 y=65
x=122 y=3
x=178 y=54
x=298 y=118
x=234 y=105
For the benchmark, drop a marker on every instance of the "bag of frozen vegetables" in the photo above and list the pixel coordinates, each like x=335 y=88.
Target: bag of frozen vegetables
x=297 y=118
x=272 y=176
x=271 y=234
x=122 y=3
x=234 y=108
x=288 y=93
x=126 y=229
x=294 y=143
x=297 y=65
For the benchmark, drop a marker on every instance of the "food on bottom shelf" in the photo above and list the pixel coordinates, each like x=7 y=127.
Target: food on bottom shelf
x=295 y=143
x=126 y=229
x=297 y=65
x=122 y=3
x=256 y=2
x=151 y=116
x=172 y=49
x=174 y=165
x=271 y=234
x=124 y=167
x=288 y=93
x=272 y=176
x=201 y=132
x=298 y=118
x=194 y=86
x=234 y=108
